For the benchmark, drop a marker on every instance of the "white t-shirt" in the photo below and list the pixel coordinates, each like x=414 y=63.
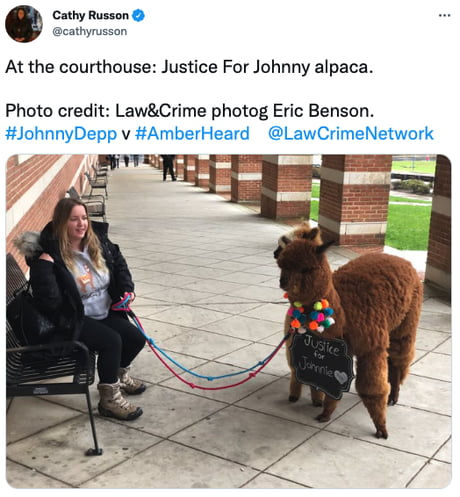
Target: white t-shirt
x=93 y=284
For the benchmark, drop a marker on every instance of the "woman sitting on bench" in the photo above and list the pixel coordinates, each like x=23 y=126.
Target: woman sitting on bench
x=75 y=279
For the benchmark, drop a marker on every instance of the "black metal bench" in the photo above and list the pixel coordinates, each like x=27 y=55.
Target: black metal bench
x=96 y=183
x=95 y=204
x=100 y=173
x=31 y=369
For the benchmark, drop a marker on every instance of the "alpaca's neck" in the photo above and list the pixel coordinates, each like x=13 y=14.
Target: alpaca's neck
x=334 y=298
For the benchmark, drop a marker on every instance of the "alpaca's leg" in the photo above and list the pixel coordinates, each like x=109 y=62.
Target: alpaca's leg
x=394 y=377
x=372 y=386
x=317 y=397
x=402 y=348
x=398 y=365
x=295 y=387
x=329 y=406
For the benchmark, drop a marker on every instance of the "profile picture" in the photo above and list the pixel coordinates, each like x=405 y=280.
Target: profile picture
x=23 y=23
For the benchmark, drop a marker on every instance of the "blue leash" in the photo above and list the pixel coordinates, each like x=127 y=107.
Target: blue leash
x=123 y=306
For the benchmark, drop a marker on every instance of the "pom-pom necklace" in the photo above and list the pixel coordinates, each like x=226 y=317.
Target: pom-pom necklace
x=318 y=319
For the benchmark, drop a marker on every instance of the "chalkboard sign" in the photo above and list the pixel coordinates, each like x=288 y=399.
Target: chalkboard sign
x=322 y=363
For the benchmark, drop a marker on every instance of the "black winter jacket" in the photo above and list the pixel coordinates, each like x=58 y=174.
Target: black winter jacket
x=54 y=287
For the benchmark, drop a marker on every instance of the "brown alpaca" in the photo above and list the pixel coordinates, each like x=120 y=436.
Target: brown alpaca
x=376 y=300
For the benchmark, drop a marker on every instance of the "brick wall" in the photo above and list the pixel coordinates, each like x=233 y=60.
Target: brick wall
x=202 y=171
x=33 y=186
x=179 y=166
x=286 y=186
x=438 y=270
x=246 y=177
x=220 y=173
x=354 y=195
x=189 y=168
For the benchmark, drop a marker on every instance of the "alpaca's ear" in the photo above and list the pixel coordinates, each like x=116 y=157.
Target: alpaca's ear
x=285 y=240
x=322 y=248
x=311 y=235
x=277 y=252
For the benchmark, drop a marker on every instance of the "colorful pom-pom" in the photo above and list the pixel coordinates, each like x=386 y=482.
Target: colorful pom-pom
x=286 y=295
x=328 y=322
x=319 y=319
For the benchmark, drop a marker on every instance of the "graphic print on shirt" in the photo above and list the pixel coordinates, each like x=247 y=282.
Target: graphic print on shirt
x=86 y=279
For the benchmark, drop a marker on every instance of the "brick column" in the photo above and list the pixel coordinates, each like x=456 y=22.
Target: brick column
x=156 y=161
x=202 y=171
x=353 y=204
x=189 y=168
x=246 y=178
x=286 y=186
x=438 y=268
x=102 y=160
x=179 y=166
x=220 y=173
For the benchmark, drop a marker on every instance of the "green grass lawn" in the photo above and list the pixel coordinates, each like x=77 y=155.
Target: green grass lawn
x=410 y=200
x=414 y=166
x=315 y=190
x=407 y=227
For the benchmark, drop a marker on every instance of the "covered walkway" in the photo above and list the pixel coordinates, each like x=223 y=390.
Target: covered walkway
x=207 y=287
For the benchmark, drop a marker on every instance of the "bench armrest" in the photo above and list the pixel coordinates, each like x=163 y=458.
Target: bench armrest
x=62 y=347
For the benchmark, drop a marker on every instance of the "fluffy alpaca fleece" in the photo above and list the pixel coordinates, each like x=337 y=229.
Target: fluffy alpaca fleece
x=376 y=299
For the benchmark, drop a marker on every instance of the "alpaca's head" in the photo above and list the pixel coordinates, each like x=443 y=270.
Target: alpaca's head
x=301 y=231
x=305 y=272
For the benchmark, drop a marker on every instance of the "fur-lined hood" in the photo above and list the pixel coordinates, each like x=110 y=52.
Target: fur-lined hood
x=28 y=244
x=31 y=244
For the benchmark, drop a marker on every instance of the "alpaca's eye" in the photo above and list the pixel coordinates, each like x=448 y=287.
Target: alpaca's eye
x=305 y=270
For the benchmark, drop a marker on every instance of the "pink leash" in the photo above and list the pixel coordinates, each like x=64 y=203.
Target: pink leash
x=124 y=306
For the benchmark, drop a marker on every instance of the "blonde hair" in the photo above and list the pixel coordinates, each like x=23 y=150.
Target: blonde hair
x=61 y=216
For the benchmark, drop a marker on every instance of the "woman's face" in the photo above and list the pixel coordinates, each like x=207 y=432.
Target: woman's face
x=77 y=225
x=21 y=14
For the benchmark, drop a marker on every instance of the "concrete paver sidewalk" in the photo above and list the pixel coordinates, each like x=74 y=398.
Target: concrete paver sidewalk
x=208 y=293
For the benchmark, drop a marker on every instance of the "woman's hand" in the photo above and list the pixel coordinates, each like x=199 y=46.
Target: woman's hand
x=46 y=257
x=131 y=295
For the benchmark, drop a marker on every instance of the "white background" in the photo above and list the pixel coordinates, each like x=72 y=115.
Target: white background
x=412 y=50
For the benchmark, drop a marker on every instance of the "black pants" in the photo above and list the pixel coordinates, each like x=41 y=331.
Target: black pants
x=116 y=340
x=168 y=166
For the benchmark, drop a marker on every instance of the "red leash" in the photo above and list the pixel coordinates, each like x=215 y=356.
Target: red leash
x=124 y=306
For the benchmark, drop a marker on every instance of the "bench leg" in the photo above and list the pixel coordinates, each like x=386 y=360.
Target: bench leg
x=96 y=451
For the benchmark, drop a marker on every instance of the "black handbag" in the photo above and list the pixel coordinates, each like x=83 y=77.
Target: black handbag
x=30 y=326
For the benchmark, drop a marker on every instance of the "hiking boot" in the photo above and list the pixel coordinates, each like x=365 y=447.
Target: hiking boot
x=129 y=385
x=113 y=405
